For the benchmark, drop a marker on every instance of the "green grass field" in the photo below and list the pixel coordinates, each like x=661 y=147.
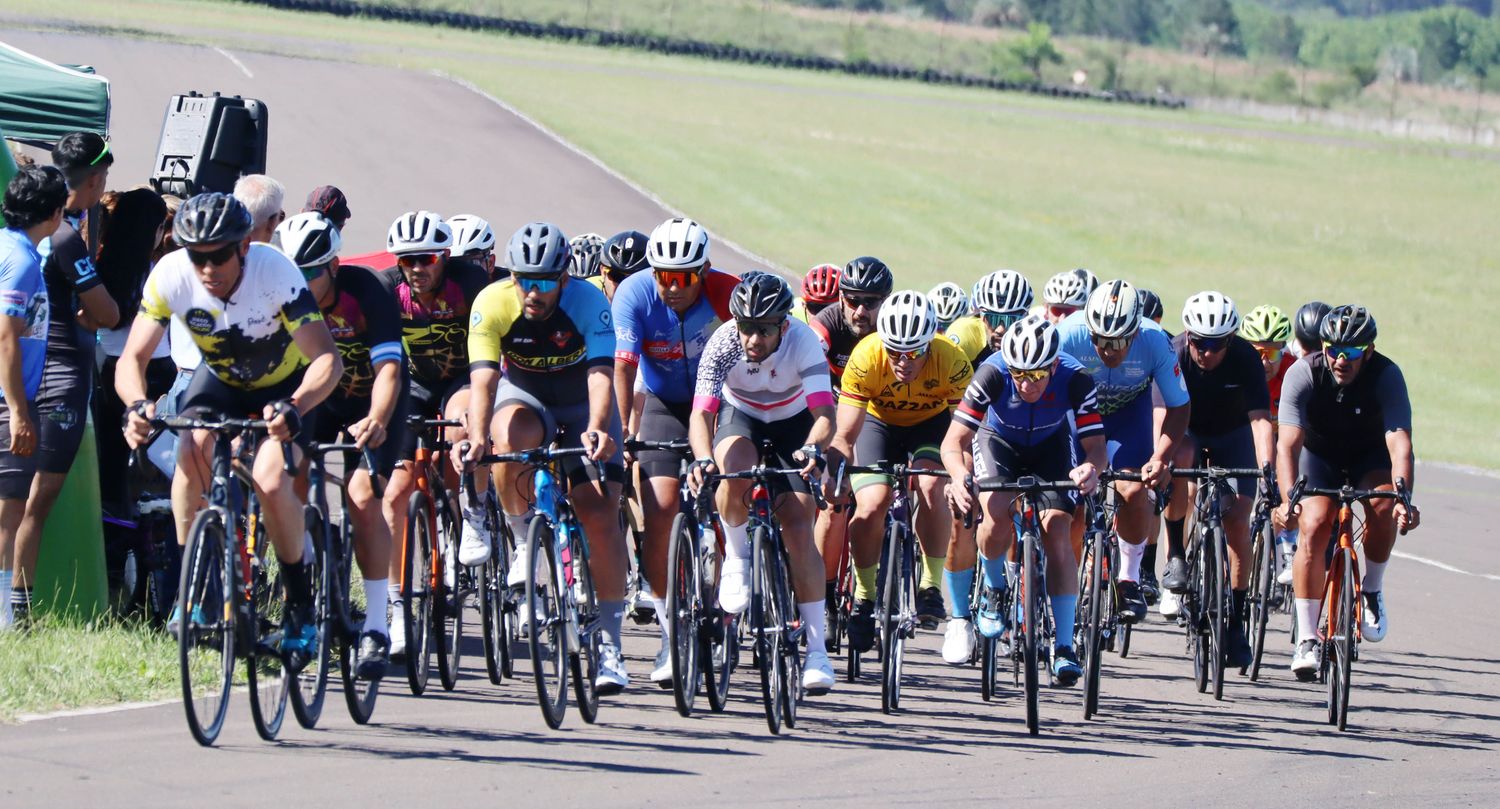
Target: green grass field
x=63 y=663
x=946 y=183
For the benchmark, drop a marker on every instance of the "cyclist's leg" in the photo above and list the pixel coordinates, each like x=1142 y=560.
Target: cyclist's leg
x=373 y=539
x=1175 y=516
x=1315 y=526
x=994 y=459
x=519 y=423
x=795 y=513
x=596 y=503
x=1131 y=438
x=872 y=499
x=659 y=421
x=420 y=401
x=932 y=519
x=1380 y=541
x=735 y=450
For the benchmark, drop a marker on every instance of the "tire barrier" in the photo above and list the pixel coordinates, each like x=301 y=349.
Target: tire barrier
x=708 y=50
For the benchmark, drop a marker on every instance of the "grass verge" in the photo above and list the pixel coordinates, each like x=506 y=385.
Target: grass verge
x=62 y=663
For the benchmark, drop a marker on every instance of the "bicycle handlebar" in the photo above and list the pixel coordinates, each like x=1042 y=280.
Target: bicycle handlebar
x=231 y=426
x=762 y=472
x=1214 y=472
x=1025 y=483
x=323 y=450
x=679 y=446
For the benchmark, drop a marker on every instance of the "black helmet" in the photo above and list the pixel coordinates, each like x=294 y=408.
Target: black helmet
x=211 y=218
x=1151 y=307
x=1348 y=325
x=538 y=248
x=760 y=296
x=1309 y=318
x=867 y=274
x=625 y=252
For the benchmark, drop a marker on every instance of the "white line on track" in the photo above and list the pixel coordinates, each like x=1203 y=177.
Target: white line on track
x=103 y=709
x=237 y=62
x=1444 y=566
x=565 y=143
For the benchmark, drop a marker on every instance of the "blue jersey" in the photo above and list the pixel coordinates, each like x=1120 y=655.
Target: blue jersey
x=993 y=401
x=1150 y=359
x=23 y=294
x=666 y=345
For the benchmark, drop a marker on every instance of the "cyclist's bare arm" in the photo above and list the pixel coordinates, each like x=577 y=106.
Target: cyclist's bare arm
x=482 y=385
x=1398 y=442
x=624 y=382
x=130 y=372
x=1263 y=434
x=850 y=420
x=958 y=461
x=371 y=430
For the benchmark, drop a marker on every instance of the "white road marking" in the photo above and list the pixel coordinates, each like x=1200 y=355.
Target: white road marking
x=1444 y=566
x=237 y=62
x=103 y=709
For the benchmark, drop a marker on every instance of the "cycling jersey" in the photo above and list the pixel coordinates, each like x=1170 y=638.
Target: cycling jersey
x=23 y=295
x=435 y=335
x=366 y=327
x=69 y=272
x=667 y=345
x=799 y=310
x=794 y=378
x=971 y=335
x=870 y=382
x=1150 y=359
x=1224 y=397
x=1273 y=385
x=1341 y=422
x=246 y=340
x=837 y=337
x=550 y=358
x=992 y=401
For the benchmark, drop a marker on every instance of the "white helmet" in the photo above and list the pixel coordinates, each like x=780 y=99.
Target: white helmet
x=587 y=249
x=308 y=239
x=1114 y=310
x=1070 y=288
x=418 y=232
x=677 y=244
x=1030 y=343
x=471 y=234
x=948 y=301
x=1002 y=291
x=906 y=321
x=1210 y=314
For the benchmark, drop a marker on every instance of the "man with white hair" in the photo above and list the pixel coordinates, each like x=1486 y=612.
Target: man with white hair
x=264 y=197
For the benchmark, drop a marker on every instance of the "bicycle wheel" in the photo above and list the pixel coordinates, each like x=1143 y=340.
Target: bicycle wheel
x=791 y=646
x=1089 y=632
x=266 y=672
x=1216 y=592
x=205 y=638
x=448 y=608
x=988 y=664
x=682 y=613
x=359 y=694
x=718 y=633
x=1030 y=633
x=1262 y=587
x=547 y=639
x=417 y=594
x=846 y=609
x=889 y=615
x=1193 y=608
x=493 y=616
x=765 y=627
x=310 y=686
x=585 y=606
x=1341 y=639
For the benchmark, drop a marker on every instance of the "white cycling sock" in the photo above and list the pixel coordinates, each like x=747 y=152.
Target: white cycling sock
x=660 y=605
x=737 y=541
x=1374 y=576
x=518 y=526
x=377 y=592
x=1130 y=560
x=812 y=623
x=1308 y=611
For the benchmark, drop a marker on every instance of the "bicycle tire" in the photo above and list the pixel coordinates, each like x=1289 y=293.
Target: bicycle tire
x=585 y=606
x=791 y=652
x=1192 y=606
x=1218 y=611
x=1030 y=634
x=989 y=667
x=547 y=640
x=417 y=594
x=265 y=670
x=448 y=607
x=765 y=627
x=1262 y=586
x=310 y=686
x=683 y=611
x=1343 y=638
x=888 y=615
x=1089 y=620
x=718 y=633
x=494 y=614
x=359 y=695
x=846 y=612
x=206 y=636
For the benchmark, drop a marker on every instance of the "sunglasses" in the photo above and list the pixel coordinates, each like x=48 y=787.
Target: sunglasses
x=1034 y=375
x=538 y=283
x=102 y=153
x=1061 y=311
x=219 y=256
x=996 y=320
x=1209 y=345
x=1269 y=354
x=907 y=356
x=681 y=279
x=617 y=276
x=418 y=260
x=863 y=301
x=1112 y=343
x=1350 y=353
x=757 y=328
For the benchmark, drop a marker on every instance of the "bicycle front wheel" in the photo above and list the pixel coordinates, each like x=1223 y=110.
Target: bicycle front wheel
x=310 y=686
x=1089 y=621
x=682 y=613
x=1216 y=593
x=547 y=640
x=205 y=635
x=267 y=673
x=585 y=607
x=1262 y=586
x=1031 y=632
x=448 y=610
x=1342 y=637
x=894 y=602
x=493 y=613
x=417 y=594
x=766 y=625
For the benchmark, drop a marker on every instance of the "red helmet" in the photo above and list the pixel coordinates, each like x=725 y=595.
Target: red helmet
x=821 y=284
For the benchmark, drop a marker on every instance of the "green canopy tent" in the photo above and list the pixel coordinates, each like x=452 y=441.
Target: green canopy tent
x=41 y=101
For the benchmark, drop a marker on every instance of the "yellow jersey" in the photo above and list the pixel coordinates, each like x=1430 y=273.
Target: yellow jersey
x=870 y=380
x=969 y=334
x=799 y=309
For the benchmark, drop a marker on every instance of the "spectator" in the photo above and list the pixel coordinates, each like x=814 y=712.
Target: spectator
x=265 y=198
x=131 y=233
x=331 y=203
x=165 y=245
x=33 y=210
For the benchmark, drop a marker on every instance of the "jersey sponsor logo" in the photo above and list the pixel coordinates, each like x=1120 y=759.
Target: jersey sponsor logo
x=83 y=268
x=560 y=338
x=606 y=319
x=932 y=383
x=475 y=318
x=625 y=334
x=664 y=350
x=14 y=298
x=1176 y=369
x=543 y=363
x=199 y=321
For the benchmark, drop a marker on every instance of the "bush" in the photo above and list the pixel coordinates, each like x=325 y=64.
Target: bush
x=1277 y=87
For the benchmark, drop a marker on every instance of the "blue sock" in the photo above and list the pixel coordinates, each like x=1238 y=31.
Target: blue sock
x=960 y=583
x=611 y=616
x=1063 y=608
x=994 y=573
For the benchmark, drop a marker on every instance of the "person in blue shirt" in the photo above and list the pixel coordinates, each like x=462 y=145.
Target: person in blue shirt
x=33 y=210
x=1125 y=354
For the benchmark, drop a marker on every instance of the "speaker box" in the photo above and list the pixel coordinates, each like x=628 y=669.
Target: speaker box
x=208 y=142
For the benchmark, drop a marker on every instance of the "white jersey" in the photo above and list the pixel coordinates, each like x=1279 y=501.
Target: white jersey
x=791 y=380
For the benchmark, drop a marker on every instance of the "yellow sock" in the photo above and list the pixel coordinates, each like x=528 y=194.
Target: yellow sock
x=932 y=572
x=864 y=582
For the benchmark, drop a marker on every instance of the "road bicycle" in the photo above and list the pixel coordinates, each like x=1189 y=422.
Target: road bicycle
x=432 y=585
x=1265 y=595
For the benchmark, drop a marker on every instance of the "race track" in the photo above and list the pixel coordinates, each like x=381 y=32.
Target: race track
x=1425 y=715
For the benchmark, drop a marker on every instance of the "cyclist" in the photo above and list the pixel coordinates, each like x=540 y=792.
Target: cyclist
x=663 y=319
x=434 y=294
x=1268 y=329
x=266 y=350
x=763 y=377
x=1126 y=355
x=1067 y=292
x=1020 y=416
x=949 y=303
x=899 y=389
x=820 y=289
x=369 y=401
x=863 y=287
x=1001 y=298
x=1151 y=307
x=1309 y=319
x=624 y=255
x=541 y=350
x=1231 y=420
x=586 y=249
x=1345 y=419
x=474 y=242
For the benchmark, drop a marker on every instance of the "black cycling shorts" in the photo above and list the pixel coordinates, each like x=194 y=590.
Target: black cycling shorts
x=566 y=424
x=429 y=403
x=208 y=397
x=62 y=405
x=1232 y=450
x=879 y=441
x=1333 y=473
x=16 y=473
x=786 y=437
x=336 y=413
x=662 y=421
x=1052 y=459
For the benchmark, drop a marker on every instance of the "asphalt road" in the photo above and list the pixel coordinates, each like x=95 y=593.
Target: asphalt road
x=1425 y=714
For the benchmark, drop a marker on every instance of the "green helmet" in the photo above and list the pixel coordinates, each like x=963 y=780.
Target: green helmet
x=1266 y=324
